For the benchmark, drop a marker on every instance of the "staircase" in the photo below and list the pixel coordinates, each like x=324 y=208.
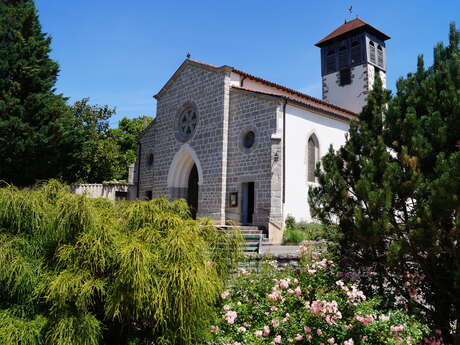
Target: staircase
x=253 y=237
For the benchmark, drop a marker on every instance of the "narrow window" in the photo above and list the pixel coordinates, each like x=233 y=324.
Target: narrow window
x=330 y=61
x=345 y=76
x=343 y=57
x=150 y=159
x=371 y=52
x=249 y=139
x=379 y=56
x=312 y=157
x=377 y=73
x=355 y=52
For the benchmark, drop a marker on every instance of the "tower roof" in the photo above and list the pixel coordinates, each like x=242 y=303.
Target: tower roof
x=353 y=25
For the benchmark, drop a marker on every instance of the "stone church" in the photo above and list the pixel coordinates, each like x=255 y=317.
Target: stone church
x=241 y=148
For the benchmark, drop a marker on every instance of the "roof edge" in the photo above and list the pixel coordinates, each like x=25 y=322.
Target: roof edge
x=312 y=102
x=362 y=25
x=297 y=102
x=182 y=66
x=295 y=92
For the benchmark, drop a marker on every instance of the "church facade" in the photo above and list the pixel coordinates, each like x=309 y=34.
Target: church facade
x=243 y=149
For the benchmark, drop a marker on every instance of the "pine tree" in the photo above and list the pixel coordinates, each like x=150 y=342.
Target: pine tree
x=33 y=118
x=393 y=190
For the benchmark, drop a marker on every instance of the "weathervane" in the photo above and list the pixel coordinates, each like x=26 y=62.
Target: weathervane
x=350 y=12
x=189 y=55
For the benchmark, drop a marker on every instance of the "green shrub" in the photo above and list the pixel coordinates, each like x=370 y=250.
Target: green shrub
x=75 y=270
x=293 y=236
x=297 y=232
x=290 y=222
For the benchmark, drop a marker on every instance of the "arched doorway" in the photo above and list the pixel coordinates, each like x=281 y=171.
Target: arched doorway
x=184 y=177
x=192 y=191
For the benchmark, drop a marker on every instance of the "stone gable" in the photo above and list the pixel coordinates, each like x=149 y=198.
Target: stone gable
x=207 y=89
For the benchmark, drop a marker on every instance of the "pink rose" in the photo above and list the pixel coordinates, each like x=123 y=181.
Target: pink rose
x=283 y=283
x=273 y=296
x=298 y=291
x=266 y=331
x=397 y=328
x=277 y=339
x=384 y=317
x=230 y=316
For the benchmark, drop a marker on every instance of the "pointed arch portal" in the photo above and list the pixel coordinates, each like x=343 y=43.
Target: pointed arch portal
x=185 y=176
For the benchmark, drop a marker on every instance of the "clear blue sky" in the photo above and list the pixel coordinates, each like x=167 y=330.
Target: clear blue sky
x=121 y=53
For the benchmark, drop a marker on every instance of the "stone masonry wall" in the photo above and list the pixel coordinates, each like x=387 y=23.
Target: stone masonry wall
x=251 y=112
x=207 y=89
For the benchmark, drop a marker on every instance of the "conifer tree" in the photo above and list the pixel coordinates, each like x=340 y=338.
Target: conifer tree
x=393 y=190
x=32 y=116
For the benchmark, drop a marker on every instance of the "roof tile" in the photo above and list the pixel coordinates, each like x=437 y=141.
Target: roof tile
x=352 y=25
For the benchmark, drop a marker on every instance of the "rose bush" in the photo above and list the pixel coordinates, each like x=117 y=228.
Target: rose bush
x=314 y=304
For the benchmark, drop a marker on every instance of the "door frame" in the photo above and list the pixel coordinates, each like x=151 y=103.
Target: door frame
x=247 y=218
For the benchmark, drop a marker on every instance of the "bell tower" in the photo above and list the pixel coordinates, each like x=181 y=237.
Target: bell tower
x=351 y=55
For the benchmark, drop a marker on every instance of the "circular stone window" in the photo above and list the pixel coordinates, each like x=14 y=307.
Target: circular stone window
x=249 y=139
x=186 y=124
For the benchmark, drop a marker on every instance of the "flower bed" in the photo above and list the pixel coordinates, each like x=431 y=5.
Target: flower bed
x=309 y=305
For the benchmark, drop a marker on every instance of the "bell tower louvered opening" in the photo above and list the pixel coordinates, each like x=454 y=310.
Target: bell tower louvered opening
x=349 y=56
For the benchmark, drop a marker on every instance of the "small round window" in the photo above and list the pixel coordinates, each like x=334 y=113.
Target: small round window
x=187 y=123
x=249 y=139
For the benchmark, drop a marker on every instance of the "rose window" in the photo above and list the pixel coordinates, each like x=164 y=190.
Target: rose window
x=187 y=124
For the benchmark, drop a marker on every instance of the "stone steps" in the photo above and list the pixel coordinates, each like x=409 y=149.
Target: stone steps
x=253 y=236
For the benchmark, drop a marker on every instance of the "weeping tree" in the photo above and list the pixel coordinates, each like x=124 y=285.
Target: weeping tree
x=75 y=270
x=393 y=190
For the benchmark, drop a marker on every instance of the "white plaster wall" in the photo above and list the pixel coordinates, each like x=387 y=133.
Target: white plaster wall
x=300 y=124
x=352 y=96
x=254 y=85
x=371 y=76
x=235 y=79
